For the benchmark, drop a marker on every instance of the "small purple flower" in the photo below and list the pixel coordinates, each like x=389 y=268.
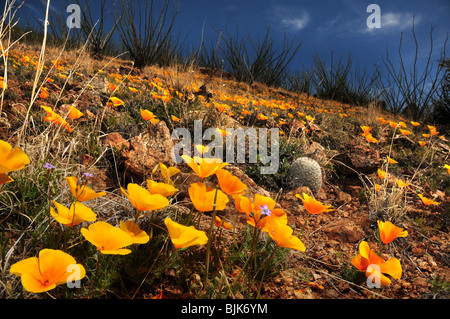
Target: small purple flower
x=265 y=210
x=49 y=166
x=88 y=174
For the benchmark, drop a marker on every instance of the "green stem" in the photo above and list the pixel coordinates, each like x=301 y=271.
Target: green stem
x=265 y=270
x=208 y=249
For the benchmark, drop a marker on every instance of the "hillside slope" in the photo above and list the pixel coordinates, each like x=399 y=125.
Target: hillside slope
x=115 y=143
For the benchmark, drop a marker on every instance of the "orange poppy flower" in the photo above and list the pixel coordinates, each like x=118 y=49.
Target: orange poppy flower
x=230 y=184
x=203 y=197
x=116 y=101
x=56 y=118
x=142 y=199
x=371 y=139
x=108 y=239
x=50 y=269
x=184 y=236
x=163 y=189
x=393 y=124
x=202 y=149
x=149 y=116
x=11 y=159
x=381 y=174
x=313 y=206
x=415 y=123
x=76 y=214
x=281 y=233
x=366 y=130
x=174 y=118
x=427 y=201
x=378 y=187
x=168 y=172
x=401 y=183
x=388 y=231
x=422 y=143
x=426 y=135
x=405 y=132
x=448 y=168
x=382 y=121
x=74 y=113
x=204 y=167
x=375 y=267
x=391 y=161
x=261 y=212
x=135 y=232
x=220 y=223
x=112 y=86
x=80 y=191
x=44 y=93
x=433 y=130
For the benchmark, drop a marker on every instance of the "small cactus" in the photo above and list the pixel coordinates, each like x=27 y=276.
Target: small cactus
x=304 y=171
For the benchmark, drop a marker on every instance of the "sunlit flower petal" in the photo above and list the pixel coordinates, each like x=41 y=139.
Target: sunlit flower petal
x=203 y=197
x=388 y=231
x=137 y=234
x=313 y=206
x=184 y=236
x=74 y=215
x=107 y=238
x=51 y=268
x=230 y=184
x=80 y=191
x=142 y=199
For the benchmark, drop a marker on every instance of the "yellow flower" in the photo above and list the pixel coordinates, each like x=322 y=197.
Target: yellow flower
x=282 y=235
x=371 y=139
x=74 y=215
x=401 y=183
x=136 y=233
x=433 y=130
x=201 y=148
x=381 y=174
x=80 y=191
x=220 y=223
x=388 y=231
x=427 y=201
x=261 y=212
x=230 y=184
x=50 y=269
x=74 y=113
x=313 y=206
x=391 y=161
x=204 y=167
x=108 y=239
x=142 y=199
x=161 y=188
x=11 y=160
x=184 y=236
x=448 y=168
x=149 y=116
x=55 y=118
x=167 y=173
x=174 y=118
x=405 y=132
x=366 y=130
x=116 y=101
x=203 y=197
x=367 y=259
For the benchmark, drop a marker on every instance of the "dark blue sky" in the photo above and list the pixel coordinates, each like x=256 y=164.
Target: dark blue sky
x=323 y=26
